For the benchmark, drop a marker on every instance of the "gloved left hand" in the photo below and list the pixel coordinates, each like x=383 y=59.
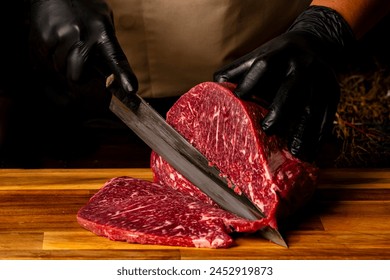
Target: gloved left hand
x=293 y=74
x=68 y=36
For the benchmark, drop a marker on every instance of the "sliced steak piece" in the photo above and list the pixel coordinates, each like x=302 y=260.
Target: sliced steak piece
x=227 y=131
x=137 y=211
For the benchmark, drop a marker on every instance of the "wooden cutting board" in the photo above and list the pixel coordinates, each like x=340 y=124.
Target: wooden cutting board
x=349 y=218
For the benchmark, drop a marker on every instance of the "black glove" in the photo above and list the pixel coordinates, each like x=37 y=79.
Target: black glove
x=75 y=36
x=293 y=74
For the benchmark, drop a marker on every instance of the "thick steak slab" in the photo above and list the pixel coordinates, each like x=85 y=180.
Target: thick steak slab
x=227 y=131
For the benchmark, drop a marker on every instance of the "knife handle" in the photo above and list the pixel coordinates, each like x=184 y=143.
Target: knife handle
x=130 y=100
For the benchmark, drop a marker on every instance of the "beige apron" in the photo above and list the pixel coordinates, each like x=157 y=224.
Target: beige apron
x=173 y=45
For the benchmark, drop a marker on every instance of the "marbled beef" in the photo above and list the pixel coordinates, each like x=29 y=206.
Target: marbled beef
x=227 y=131
x=137 y=211
x=172 y=211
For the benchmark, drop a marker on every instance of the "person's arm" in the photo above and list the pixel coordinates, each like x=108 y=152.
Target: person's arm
x=361 y=15
x=294 y=72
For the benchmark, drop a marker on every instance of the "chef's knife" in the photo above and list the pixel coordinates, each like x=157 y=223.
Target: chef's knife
x=138 y=115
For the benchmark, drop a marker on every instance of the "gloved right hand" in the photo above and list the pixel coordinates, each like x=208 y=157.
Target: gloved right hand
x=293 y=74
x=73 y=36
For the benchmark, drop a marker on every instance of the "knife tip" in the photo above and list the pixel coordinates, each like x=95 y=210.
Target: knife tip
x=273 y=235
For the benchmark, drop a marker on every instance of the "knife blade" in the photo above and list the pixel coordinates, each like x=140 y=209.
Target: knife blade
x=140 y=117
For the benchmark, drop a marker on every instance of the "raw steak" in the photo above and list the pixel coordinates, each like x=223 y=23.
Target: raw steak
x=227 y=131
x=137 y=211
x=172 y=211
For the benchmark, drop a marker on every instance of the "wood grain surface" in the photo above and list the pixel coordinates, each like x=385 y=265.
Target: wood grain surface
x=348 y=218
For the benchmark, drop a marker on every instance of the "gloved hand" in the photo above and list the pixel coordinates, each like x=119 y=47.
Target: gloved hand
x=75 y=36
x=293 y=75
